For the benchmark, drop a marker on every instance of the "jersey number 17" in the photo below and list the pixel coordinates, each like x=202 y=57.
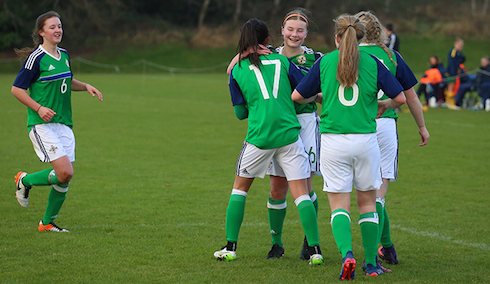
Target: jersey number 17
x=260 y=78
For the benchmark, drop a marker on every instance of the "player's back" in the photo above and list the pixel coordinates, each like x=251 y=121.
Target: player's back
x=267 y=91
x=353 y=109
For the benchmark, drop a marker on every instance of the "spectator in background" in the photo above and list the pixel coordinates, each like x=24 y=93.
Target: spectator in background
x=466 y=83
x=393 y=40
x=454 y=58
x=443 y=85
x=483 y=82
x=430 y=82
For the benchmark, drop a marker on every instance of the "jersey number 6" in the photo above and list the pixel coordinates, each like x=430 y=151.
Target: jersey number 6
x=64 y=86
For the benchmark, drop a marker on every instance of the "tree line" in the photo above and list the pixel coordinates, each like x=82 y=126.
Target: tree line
x=89 y=23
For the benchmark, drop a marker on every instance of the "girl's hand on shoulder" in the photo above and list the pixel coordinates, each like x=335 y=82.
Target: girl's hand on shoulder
x=45 y=113
x=260 y=49
x=263 y=50
x=93 y=91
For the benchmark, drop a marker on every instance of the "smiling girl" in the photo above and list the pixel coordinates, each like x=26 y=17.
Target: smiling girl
x=260 y=87
x=294 y=29
x=46 y=72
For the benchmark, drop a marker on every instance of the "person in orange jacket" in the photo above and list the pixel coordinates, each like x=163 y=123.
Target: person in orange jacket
x=429 y=83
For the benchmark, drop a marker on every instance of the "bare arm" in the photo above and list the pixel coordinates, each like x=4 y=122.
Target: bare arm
x=45 y=113
x=383 y=105
x=262 y=50
x=297 y=97
x=232 y=64
x=319 y=98
x=81 y=86
x=417 y=113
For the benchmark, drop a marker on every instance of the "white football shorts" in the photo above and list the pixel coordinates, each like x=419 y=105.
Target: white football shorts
x=350 y=159
x=388 y=146
x=310 y=135
x=52 y=141
x=254 y=162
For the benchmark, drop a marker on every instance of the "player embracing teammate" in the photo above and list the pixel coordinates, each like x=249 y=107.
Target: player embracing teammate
x=355 y=88
x=260 y=87
x=294 y=29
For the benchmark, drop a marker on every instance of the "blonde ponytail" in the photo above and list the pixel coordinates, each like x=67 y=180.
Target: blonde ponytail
x=350 y=31
x=375 y=32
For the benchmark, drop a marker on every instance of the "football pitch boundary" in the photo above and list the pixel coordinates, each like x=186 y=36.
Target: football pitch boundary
x=264 y=224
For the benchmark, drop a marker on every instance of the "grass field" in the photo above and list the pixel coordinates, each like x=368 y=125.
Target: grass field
x=154 y=171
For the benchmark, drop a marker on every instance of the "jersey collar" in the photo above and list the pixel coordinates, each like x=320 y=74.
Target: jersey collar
x=45 y=51
x=367 y=44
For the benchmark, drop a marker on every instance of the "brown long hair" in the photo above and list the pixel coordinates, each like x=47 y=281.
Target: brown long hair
x=298 y=14
x=36 y=38
x=375 y=32
x=350 y=31
x=253 y=33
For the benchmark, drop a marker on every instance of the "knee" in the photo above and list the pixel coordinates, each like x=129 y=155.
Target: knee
x=278 y=193
x=65 y=176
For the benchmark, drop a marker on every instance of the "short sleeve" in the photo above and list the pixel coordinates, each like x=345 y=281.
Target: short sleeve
x=404 y=74
x=295 y=75
x=386 y=81
x=310 y=85
x=26 y=75
x=235 y=91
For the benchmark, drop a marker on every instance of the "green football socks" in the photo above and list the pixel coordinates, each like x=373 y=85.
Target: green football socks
x=44 y=177
x=386 y=235
x=380 y=209
x=341 y=230
x=55 y=201
x=314 y=199
x=307 y=215
x=234 y=214
x=369 y=231
x=277 y=213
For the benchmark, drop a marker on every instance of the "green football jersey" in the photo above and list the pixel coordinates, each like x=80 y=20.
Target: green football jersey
x=385 y=59
x=349 y=110
x=266 y=91
x=49 y=82
x=353 y=109
x=304 y=61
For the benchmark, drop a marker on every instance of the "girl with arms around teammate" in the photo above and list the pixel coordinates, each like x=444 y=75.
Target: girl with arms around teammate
x=350 y=80
x=47 y=74
x=260 y=87
x=294 y=29
x=386 y=124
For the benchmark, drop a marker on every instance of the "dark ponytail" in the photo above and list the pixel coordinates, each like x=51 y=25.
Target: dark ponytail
x=253 y=33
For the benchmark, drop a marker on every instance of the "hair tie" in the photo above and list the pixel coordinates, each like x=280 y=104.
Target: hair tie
x=296 y=15
x=350 y=26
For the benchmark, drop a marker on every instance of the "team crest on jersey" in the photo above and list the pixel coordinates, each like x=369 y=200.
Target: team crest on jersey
x=301 y=59
x=53 y=149
x=67 y=63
